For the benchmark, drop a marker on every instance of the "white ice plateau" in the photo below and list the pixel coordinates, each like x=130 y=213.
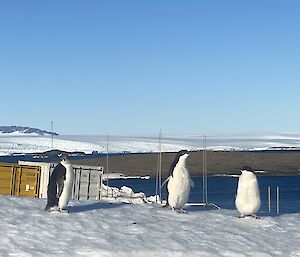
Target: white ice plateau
x=31 y=143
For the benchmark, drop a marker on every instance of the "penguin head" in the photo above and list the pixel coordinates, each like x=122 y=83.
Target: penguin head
x=182 y=155
x=64 y=159
x=247 y=169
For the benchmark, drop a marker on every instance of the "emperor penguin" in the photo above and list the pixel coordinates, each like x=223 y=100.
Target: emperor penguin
x=247 y=199
x=179 y=182
x=60 y=186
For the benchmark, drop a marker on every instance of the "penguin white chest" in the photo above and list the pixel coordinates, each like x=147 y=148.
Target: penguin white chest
x=179 y=187
x=248 y=197
x=68 y=185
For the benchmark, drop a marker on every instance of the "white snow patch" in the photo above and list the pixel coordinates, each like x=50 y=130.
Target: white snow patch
x=106 y=176
x=114 y=229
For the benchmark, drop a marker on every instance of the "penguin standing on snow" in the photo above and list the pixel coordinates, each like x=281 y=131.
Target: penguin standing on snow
x=179 y=182
x=60 y=186
x=247 y=199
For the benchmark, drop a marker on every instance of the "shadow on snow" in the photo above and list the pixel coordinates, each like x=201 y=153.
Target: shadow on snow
x=93 y=206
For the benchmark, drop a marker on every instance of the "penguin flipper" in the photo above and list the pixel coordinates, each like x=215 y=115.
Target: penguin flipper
x=166 y=181
x=192 y=183
x=60 y=186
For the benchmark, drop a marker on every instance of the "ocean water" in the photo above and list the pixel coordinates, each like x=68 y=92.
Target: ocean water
x=222 y=190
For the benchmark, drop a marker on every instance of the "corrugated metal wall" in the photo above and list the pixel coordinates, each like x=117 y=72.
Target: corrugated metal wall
x=87 y=182
x=46 y=169
x=19 y=180
x=6 y=179
x=31 y=179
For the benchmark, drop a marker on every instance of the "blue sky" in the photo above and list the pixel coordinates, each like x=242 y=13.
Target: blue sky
x=135 y=67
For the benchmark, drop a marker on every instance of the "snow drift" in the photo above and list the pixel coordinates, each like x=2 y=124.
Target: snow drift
x=115 y=229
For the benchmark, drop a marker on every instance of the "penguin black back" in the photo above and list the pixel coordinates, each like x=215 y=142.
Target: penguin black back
x=55 y=185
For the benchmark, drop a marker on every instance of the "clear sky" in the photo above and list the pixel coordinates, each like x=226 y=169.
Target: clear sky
x=135 y=67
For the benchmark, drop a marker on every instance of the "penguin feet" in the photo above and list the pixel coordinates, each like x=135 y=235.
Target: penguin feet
x=182 y=211
x=255 y=216
x=52 y=209
x=241 y=216
x=63 y=211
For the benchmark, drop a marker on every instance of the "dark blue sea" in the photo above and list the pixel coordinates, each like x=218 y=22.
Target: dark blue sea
x=222 y=190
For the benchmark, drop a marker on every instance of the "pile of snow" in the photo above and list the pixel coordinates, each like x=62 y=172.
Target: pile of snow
x=123 y=195
x=114 y=229
x=121 y=176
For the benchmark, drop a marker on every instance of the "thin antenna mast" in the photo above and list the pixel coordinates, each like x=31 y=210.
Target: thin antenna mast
x=159 y=167
x=206 y=198
x=204 y=179
x=204 y=167
x=107 y=164
x=158 y=170
x=205 y=202
x=51 y=135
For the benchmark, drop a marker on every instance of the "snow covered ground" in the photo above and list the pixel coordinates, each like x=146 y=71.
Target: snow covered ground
x=115 y=229
x=24 y=143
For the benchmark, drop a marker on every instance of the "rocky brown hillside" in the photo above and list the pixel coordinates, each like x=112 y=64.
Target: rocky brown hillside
x=218 y=162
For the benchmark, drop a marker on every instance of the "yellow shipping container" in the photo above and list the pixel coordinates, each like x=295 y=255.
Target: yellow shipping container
x=19 y=180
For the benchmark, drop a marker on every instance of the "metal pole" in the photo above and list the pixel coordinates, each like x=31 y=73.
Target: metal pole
x=74 y=184
x=269 y=199
x=160 y=178
x=107 y=165
x=51 y=135
x=156 y=183
x=89 y=184
x=206 y=200
x=204 y=168
x=79 y=184
x=277 y=198
x=158 y=171
x=203 y=172
x=100 y=187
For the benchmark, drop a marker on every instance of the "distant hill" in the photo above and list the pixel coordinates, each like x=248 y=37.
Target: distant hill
x=25 y=130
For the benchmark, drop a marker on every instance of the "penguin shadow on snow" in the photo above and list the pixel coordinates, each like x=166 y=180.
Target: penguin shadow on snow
x=93 y=206
x=193 y=209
